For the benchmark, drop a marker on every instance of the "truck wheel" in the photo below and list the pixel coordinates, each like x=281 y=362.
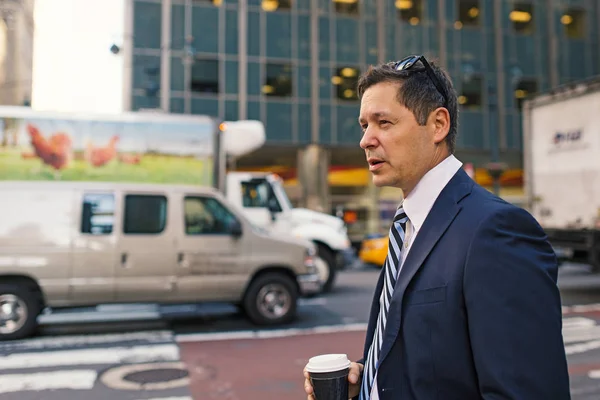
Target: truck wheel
x=18 y=312
x=271 y=299
x=327 y=256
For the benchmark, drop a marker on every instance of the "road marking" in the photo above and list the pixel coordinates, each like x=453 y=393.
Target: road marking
x=582 y=347
x=581 y=308
x=110 y=355
x=594 y=374
x=171 y=398
x=78 y=379
x=578 y=329
x=204 y=337
x=86 y=340
x=317 y=301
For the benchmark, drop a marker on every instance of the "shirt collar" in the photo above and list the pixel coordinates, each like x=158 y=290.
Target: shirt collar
x=419 y=202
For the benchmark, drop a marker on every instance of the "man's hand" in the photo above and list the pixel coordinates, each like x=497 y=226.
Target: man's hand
x=353 y=378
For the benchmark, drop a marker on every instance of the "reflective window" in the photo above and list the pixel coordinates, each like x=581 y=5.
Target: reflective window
x=177 y=82
x=258 y=193
x=231 y=77
x=98 y=213
x=145 y=214
x=279 y=35
x=231 y=110
x=205 y=76
x=254 y=80
x=574 y=22
x=278 y=80
x=279 y=121
x=146 y=72
x=468 y=12
x=216 y=3
x=276 y=5
x=303 y=37
x=522 y=18
x=231 y=23
x=347 y=36
x=205 y=29
x=205 y=106
x=206 y=215
x=346 y=6
x=524 y=89
x=146 y=25
x=410 y=11
x=345 y=80
x=471 y=94
x=304 y=82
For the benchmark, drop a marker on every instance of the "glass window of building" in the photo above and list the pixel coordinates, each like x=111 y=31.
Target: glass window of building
x=573 y=20
x=470 y=96
x=216 y=3
x=275 y=5
x=468 y=12
x=345 y=81
x=524 y=89
x=522 y=18
x=346 y=6
x=278 y=80
x=205 y=76
x=410 y=11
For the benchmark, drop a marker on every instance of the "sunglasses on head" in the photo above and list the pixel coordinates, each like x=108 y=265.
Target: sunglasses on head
x=409 y=62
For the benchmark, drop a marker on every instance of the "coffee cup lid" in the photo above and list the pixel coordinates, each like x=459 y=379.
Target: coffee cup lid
x=328 y=363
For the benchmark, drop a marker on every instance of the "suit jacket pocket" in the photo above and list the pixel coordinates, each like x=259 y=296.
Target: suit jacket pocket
x=426 y=296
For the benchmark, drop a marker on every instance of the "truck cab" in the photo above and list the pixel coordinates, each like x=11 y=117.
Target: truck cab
x=266 y=204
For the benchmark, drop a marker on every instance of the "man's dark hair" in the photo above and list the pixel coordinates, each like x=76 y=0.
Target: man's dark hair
x=417 y=92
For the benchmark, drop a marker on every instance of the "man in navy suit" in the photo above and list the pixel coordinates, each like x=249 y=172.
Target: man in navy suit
x=467 y=305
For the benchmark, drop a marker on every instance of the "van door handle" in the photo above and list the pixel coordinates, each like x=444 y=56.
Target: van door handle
x=124 y=259
x=182 y=261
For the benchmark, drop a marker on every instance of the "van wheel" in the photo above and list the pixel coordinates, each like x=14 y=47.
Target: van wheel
x=271 y=299
x=327 y=255
x=18 y=312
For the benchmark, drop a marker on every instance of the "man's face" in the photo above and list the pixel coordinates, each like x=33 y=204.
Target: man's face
x=398 y=150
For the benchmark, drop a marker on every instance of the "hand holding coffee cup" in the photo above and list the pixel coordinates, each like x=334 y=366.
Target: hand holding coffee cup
x=332 y=377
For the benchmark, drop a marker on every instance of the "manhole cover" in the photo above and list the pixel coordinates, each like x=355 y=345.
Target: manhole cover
x=156 y=375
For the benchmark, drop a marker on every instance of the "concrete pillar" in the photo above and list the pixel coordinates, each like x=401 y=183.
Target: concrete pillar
x=313 y=168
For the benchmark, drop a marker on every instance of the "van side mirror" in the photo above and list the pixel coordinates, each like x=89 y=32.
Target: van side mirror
x=235 y=229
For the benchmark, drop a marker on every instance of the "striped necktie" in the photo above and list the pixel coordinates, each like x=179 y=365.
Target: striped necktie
x=392 y=263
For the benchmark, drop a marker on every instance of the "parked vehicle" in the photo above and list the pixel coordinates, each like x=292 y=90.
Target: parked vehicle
x=152 y=147
x=69 y=244
x=562 y=168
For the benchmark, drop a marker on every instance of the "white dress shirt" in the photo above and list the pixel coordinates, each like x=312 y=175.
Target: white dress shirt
x=417 y=205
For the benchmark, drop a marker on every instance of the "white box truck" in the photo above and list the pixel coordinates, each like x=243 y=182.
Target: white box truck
x=561 y=134
x=155 y=147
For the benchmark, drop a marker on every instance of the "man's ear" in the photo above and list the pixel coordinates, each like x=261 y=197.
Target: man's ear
x=441 y=121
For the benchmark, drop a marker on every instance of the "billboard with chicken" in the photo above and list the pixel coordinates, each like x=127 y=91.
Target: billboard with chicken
x=126 y=148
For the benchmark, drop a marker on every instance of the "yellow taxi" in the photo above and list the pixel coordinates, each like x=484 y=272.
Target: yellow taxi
x=373 y=250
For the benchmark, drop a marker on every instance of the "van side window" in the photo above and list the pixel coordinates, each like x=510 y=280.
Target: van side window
x=206 y=215
x=145 y=214
x=98 y=213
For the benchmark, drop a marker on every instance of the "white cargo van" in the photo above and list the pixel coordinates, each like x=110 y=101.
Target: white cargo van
x=69 y=244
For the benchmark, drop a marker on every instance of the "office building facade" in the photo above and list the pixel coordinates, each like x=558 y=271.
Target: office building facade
x=293 y=64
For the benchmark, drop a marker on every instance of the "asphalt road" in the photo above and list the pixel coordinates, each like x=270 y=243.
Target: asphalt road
x=210 y=351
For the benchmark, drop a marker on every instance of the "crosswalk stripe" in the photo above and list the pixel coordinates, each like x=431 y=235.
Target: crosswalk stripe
x=171 y=398
x=45 y=343
x=112 y=355
x=37 y=381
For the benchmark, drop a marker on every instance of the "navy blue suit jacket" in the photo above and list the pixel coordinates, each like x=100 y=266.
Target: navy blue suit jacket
x=476 y=312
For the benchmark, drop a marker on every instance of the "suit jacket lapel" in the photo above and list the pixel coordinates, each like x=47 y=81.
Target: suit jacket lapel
x=442 y=213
